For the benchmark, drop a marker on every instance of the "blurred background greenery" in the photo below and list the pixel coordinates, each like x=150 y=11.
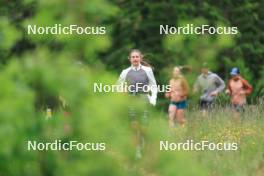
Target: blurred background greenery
x=36 y=69
x=135 y=24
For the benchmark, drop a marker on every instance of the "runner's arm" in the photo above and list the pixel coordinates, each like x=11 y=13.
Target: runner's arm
x=168 y=93
x=153 y=86
x=247 y=87
x=220 y=83
x=121 y=80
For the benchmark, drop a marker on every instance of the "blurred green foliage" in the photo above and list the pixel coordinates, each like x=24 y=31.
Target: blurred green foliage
x=135 y=24
x=36 y=70
x=102 y=118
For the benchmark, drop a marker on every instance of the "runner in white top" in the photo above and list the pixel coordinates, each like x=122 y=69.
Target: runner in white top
x=142 y=84
x=139 y=76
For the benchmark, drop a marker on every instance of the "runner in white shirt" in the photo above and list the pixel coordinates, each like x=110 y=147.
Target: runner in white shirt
x=142 y=84
x=139 y=77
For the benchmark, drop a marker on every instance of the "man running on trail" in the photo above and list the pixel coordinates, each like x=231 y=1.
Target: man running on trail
x=139 y=76
x=210 y=85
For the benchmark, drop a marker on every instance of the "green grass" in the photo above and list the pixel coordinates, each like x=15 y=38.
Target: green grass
x=218 y=127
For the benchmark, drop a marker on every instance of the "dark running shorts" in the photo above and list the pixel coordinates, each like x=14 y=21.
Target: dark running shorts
x=238 y=108
x=180 y=104
x=205 y=105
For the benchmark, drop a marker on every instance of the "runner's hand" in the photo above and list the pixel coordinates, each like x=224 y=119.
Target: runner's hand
x=214 y=93
x=152 y=100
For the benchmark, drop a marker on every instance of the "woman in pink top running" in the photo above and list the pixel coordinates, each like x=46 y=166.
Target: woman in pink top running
x=238 y=89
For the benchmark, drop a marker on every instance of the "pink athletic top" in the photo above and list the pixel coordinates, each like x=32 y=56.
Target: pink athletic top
x=238 y=89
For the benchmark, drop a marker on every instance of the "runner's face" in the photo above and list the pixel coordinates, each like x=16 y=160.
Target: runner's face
x=176 y=72
x=135 y=59
x=204 y=70
x=235 y=77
